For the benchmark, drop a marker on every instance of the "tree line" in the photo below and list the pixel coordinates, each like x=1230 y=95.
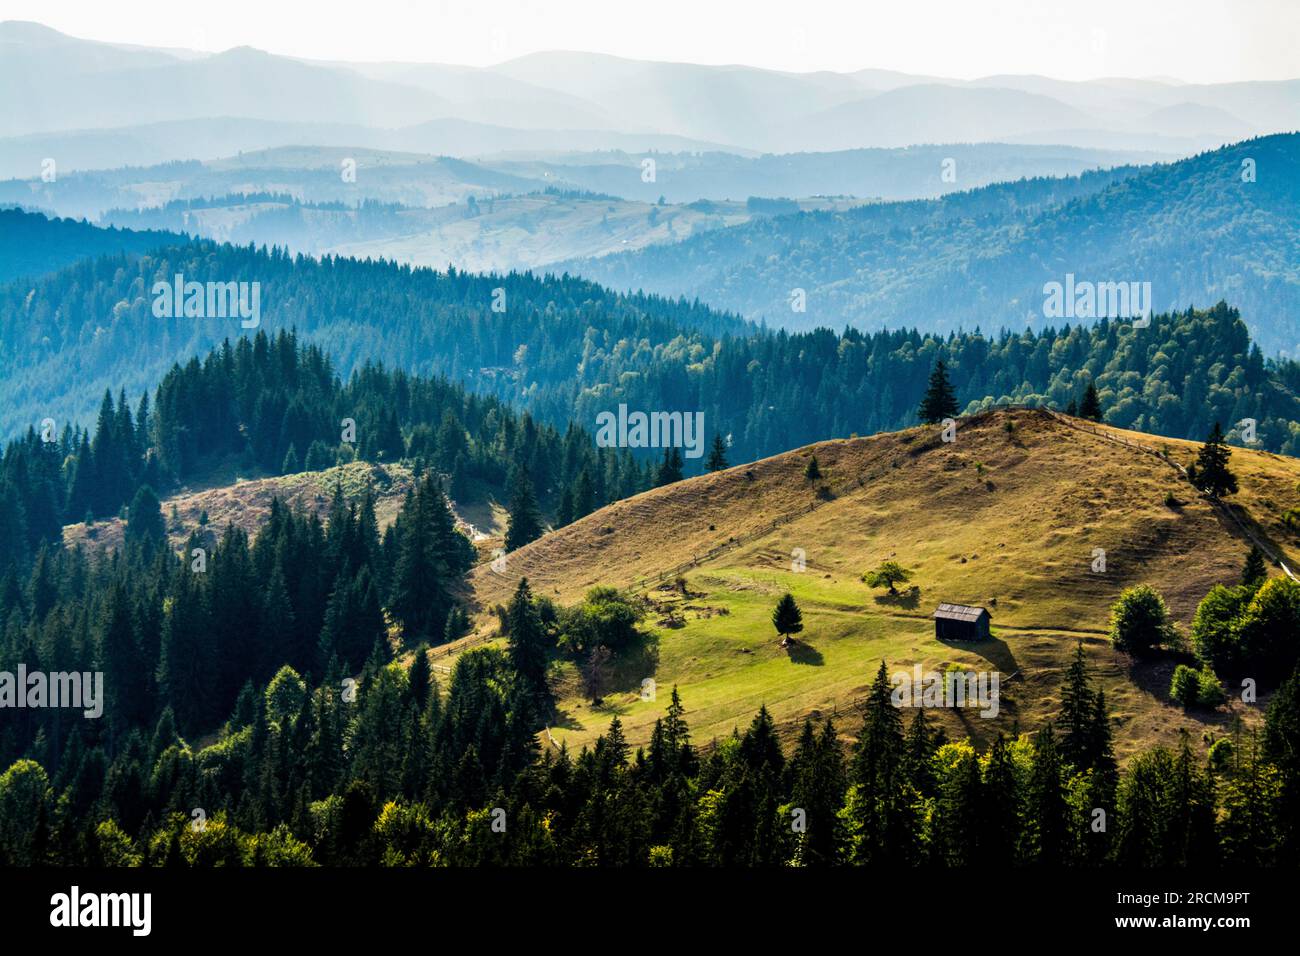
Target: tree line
x=566 y=350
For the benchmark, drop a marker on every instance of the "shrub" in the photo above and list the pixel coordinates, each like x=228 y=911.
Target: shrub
x=1139 y=621
x=606 y=617
x=1210 y=693
x=1193 y=688
x=1185 y=688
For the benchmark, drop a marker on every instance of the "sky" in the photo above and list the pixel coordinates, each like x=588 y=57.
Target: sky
x=1193 y=40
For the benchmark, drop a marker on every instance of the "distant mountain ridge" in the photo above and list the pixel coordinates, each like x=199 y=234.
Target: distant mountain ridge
x=59 y=83
x=1221 y=225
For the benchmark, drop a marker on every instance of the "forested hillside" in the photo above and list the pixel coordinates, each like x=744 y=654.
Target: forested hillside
x=32 y=245
x=277 y=408
x=567 y=350
x=211 y=712
x=1203 y=229
x=67 y=337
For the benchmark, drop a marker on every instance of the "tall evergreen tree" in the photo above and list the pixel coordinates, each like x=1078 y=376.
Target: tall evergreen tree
x=787 y=618
x=670 y=469
x=144 y=523
x=1090 y=407
x=717 y=454
x=528 y=644
x=940 y=399
x=880 y=813
x=1210 y=473
x=525 y=519
x=1255 y=571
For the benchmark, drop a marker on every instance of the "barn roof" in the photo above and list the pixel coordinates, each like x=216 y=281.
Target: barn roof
x=959 y=612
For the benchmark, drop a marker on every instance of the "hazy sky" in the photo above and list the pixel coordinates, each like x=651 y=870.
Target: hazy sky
x=1195 y=40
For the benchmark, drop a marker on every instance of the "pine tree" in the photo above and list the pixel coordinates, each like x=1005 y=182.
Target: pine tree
x=419 y=678
x=1076 y=714
x=1281 y=747
x=144 y=524
x=1090 y=407
x=584 y=498
x=812 y=471
x=527 y=646
x=1048 y=810
x=564 y=513
x=670 y=469
x=187 y=660
x=525 y=519
x=1000 y=819
x=880 y=812
x=1255 y=571
x=787 y=618
x=290 y=465
x=717 y=454
x=1211 y=473
x=940 y=399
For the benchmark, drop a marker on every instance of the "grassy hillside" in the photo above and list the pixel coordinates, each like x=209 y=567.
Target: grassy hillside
x=1007 y=517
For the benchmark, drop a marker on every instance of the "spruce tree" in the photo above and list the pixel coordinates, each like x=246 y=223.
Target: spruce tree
x=525 y=519
x=812 y=471
x=880 y=814
x=670 y=469
x=1281 y=747
x=1048 y=810
x=717 y=454
x=1090 y=407
x=787 y=618
x=1076 y=714
x=584 y=497
x=564 y=513
x=940 y=399
x=419 y=678
x=1211 y=473
x=527 y=646
x=1255 y=571
x=1000 y=819
x=144 y=523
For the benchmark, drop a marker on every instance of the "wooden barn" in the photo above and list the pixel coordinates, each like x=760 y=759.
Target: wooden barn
x=958 y=622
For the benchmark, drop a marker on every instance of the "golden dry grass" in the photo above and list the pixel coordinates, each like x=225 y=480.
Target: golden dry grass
x=1008 y=517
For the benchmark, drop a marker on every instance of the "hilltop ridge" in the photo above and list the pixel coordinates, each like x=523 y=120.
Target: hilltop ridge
x=1010 y=516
